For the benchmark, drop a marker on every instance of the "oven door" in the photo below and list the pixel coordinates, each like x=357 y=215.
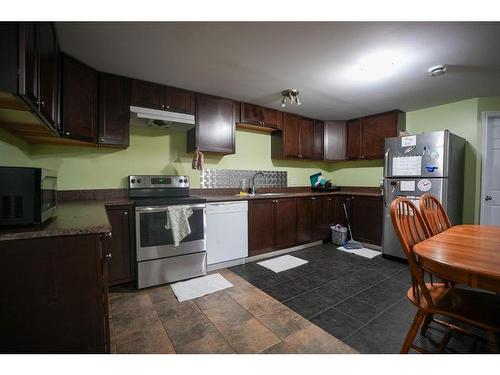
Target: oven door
x=155 y=241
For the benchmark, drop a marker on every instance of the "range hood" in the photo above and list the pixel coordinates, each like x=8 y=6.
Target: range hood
x=162 y=119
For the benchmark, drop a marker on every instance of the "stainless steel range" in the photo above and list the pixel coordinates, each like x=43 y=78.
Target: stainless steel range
x=158 y=260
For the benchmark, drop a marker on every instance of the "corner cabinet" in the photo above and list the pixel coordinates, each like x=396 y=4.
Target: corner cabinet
x=214 y=131
x=114 y=111
x=366 y=135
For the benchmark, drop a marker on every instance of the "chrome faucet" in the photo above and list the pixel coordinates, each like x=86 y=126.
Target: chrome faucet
x=252 y=188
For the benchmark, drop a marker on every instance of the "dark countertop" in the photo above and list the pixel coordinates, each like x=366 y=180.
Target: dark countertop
x=235 y=197
x=72 y=218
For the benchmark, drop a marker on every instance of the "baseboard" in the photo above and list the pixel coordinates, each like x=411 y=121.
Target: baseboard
x=229 y=263
x=282 y=251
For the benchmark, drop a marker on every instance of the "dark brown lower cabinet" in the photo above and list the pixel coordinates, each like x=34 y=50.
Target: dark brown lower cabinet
x=271 y=225
x=304 y=219
x=121 y=265
x=275 y=224
x=53 y=294
x=260 y=226
x=285 y=219
x=366 y=219
x=320 y=223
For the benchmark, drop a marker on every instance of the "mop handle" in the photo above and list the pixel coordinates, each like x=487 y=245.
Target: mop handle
x=347 y=219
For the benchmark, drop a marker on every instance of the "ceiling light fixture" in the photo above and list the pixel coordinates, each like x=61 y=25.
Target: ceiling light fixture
x=438 y=70
x=291 y=96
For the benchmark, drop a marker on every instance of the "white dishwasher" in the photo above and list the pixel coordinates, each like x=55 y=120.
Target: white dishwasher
x=227 y=231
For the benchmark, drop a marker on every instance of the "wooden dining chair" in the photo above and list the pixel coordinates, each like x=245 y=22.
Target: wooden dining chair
x=433 y=213
x=478 y=309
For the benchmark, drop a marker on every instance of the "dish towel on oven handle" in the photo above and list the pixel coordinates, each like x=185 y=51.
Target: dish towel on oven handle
x=178 y=222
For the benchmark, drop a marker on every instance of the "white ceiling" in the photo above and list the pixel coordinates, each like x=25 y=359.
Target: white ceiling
x=254 y=61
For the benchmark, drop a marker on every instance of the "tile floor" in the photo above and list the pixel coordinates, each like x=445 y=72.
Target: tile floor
x=358 y=300
x=241 y=319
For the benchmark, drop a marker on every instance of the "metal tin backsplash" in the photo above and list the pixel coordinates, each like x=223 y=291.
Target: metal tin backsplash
x=230 y=178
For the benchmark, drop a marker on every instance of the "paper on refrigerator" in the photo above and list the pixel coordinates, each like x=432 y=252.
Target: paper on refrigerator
x=407 y=166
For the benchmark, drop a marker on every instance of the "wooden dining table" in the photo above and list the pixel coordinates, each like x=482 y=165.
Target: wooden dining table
x=466 y=254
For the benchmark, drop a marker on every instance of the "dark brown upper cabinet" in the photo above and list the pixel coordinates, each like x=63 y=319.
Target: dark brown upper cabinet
x=306 y=138
x=256 y=115
x=28 y=61
x=353 y=139
x=48 y=79
x=296 y=141
x=114 y=110
x=79 y=100
x=179 y=100
x=366 y=135
x=30 y=68
x=375 y=129
x=291 y=134
x=215 y=125
x=146 y=94
x=319 y=140
x=156 y=96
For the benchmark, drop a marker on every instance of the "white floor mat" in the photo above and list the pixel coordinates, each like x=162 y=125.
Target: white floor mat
x=201 y=286
x=282 y=263
x=364 y=252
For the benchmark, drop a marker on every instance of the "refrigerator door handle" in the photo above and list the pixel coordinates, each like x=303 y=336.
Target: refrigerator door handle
x=386 y=162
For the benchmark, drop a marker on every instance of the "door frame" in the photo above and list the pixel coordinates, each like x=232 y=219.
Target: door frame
x=486 y=115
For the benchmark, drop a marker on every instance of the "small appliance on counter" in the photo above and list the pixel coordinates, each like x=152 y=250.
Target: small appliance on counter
x=159 y=261
x=27 y=195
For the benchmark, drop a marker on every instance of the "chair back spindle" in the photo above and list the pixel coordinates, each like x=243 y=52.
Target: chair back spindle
x=433 y=213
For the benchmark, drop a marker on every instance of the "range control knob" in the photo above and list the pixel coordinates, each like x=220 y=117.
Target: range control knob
x=185 y=180
x=139 y=180
x=132 y=180
x=181 y=181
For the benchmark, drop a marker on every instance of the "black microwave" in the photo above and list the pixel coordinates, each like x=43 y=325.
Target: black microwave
x=27 y=195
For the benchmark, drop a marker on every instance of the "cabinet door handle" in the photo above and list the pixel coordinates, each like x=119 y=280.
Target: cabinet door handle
x=101 y=139
x=67 y=134
x=168 y=107
x=125 y=212
x=109 y=255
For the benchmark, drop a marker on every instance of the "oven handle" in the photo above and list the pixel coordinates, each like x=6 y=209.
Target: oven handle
x=164 y=208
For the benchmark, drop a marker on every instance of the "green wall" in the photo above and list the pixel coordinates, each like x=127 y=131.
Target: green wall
x=154 y=151
x=151 y=151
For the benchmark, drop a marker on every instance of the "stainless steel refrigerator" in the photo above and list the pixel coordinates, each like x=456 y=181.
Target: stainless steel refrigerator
x=418 y=164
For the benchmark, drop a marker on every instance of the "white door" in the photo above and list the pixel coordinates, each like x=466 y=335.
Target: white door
x=490 y=186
